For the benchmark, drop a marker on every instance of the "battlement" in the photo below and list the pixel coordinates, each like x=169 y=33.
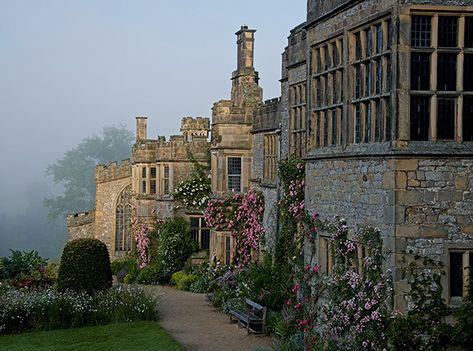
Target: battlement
x=266 y=116
x=225 y=112
x=112 y=171
x=178 y=146
x=81 y=218
x=198 y=126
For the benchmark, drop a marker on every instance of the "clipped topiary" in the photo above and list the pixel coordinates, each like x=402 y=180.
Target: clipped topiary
x=85 y=266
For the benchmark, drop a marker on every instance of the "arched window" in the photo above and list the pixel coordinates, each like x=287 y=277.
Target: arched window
x=123 y=222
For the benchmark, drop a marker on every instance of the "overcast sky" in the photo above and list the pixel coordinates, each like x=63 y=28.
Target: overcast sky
x=68 y=68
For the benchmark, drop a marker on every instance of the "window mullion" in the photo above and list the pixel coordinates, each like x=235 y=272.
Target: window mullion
x=466 y=276
x=433 y=80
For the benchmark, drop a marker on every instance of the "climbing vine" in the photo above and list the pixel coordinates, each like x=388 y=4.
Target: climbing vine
x=194 y=192
x=242 y=214
x=140 y=233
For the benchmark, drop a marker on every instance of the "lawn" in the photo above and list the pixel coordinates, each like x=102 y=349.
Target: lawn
x=119 y=336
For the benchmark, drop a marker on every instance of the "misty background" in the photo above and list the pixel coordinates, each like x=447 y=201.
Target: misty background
x=70 y=68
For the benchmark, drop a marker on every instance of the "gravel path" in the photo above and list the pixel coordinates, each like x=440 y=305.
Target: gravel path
x=198 y=326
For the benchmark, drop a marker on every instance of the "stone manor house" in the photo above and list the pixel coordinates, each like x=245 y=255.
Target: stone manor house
x=376 y=97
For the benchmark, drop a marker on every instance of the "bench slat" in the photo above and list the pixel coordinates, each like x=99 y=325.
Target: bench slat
x=248 y=318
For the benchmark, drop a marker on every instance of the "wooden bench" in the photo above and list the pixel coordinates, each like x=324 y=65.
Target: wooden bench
x=252 y=317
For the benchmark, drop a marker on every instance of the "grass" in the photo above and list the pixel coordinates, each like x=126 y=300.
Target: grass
x=119 y=336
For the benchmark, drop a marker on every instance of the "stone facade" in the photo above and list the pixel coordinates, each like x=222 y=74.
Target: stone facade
x=416 y=192
x=157 y=166
x=267 y=128
x=81 y=225
x=349 y=106
x=110 y=180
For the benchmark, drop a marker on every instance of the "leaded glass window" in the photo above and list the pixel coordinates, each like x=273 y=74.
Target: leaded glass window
x=123 y=222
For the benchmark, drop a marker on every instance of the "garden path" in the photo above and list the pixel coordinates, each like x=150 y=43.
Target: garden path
x=199 y=326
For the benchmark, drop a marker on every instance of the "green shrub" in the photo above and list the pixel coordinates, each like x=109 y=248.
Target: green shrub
x=21 y=263
x=175 y=245
x=201 y=285
x=85 y=266
x=176 y=277
x=463 y=334
x=148 y=275
x=266 y=283
x=186 y=281
x=124 y=266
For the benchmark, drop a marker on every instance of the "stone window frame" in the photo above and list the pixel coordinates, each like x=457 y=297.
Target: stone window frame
x=144 y=180
x=467 y=259
x=370 y=59
x=233 y=175
x=270 y=156
x=432 y=95
x=165 y=179
x=327 y=63
x=325 y=254
x=228 y=250
x=200 y=232
x=298 y=119
x=146 y=176
x=123 y=242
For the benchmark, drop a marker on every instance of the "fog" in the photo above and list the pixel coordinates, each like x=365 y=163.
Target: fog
x=69 y=68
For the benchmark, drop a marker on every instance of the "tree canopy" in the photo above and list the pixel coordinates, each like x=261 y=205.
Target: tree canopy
x=75 y=171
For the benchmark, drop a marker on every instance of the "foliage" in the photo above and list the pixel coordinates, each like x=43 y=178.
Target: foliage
x=135 y=336
x=148 y=275
x=194 y=192
x=27 y=269
x=265 y=283
x=183 y=280
x=31 y=309
x=201 y=284
x=359 y=293
x=463 y=332
x=175 y=245
x=141 y=236
x=289 y=241
x=424 y=326
x=76 y=170
x=123 y=266
x=21 y=263
x=242 y=214
x=85 y=266
x=186 y=282
x=176 y=277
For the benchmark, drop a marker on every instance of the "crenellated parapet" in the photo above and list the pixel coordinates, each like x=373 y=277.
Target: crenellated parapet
x=144 y=151
x=179 y=146
x=193 y=127
x=113 y=171
x=267 y=116
x=80 y=219
x=225 y=112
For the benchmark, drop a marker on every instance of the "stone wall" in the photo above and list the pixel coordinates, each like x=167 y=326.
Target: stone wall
x=421 y=204
x=434 y=208
x=105 y=202
x=356 y=189
x=113 y=171
x=267 y=120
x=81 y=225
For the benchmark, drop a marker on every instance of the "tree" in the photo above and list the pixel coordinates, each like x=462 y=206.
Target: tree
x=76 y=170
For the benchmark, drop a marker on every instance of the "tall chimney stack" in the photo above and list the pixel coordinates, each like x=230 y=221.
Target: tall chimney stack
x=245 y=47
x=141 y=133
